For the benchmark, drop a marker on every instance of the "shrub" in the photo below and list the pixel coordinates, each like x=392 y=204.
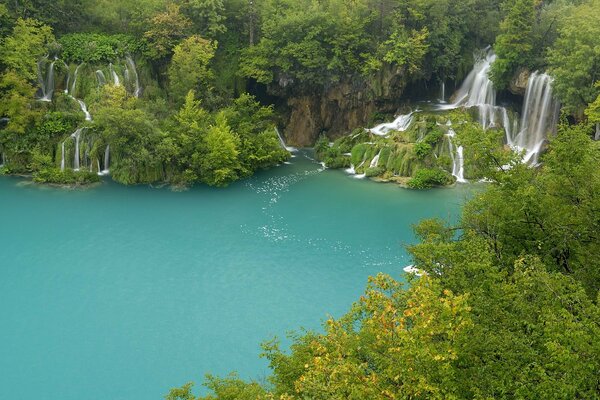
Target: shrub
x=426 y=178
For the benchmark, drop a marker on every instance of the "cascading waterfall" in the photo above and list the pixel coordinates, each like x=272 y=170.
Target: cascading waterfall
x=539 y=117
x=47 y=84
x=401 y=123
x=68 y=83
x=83 y=106
x=129 y=61
x=282 y=142
x=477 y=90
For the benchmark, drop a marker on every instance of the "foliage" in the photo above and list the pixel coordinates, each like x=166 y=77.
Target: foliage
x=21 y=51
x=426 y=178
x=575 y=57
x=98 y=47
x=167 y=29
x=189 y=69
x=515 y=43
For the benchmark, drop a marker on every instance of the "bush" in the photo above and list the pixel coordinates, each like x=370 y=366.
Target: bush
x=67 y=177
x=97 y=47
x=375 y=171
x=422 y=150
x=426 y=178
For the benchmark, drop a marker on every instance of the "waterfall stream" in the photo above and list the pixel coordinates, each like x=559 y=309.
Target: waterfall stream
x=539 y=117
x=401 y=123
x=282 y=142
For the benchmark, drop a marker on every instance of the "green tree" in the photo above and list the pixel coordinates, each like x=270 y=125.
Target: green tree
x=22 y=50
x=514 y=45
x=220 y=165
x=575 y=58
x=208 y=16
x=190 y=67
x=166 y=30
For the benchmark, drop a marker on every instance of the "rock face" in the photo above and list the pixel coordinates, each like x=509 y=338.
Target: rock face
x=518 y=84
x=339 y=109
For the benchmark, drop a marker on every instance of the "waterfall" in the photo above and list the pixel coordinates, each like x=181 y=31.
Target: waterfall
x=76 y=136
x=458 y=160
x=62 y=159
x=2 y=159
x=47 y=84
x=101 y=78
x=375 y=160
x=282 y=142
x=131 y=64
x=74 y=85
x=105 y=171
x=477 y=90
x=351 y=170
x=114 y=75
x=443 y=92
x=539 y=117
x=83 y=106
x=401 y=123
x=68 y=84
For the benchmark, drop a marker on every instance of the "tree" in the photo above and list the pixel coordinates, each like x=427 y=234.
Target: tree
x=514 y=45
x=22 y=50
x=575 y=58
x=208 y=16
x=167 y=29
x=190 y=67
x=220 y=165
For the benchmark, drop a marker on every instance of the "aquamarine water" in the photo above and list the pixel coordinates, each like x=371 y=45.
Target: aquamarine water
x=124 y=292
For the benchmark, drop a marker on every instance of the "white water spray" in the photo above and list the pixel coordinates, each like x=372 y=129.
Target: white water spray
x=401 y=123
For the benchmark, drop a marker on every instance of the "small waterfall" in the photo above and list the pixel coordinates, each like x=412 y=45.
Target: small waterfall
x=539 y=117
x=83 y=106
x=375 y=160
x=47 y=83
x=76 y=136
x=114 y=75
x=62 y=159
x=2 y=159
x=401 y=123
x=131 y=64
x=68 y=84
x=74 y=85
x=457 y=156
x=106 y=170
x=443 y=92
x=282 y=142
x=101 y=78
x=351 y=170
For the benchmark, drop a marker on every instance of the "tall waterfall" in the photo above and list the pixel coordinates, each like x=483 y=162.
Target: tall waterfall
x=477 y=90
x=401 y=123
x=131 y=65
x=71 y=90
x=46 y=82
x=539 y=117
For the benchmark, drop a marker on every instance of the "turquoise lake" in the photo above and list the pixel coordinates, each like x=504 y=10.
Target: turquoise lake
x=121 y=292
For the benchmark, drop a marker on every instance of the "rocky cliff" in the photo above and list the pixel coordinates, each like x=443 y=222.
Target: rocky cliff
x=340 y=108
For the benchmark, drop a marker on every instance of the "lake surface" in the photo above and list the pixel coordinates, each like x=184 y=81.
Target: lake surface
x=125 y=292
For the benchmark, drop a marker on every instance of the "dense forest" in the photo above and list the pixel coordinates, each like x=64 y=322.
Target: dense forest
x=505 y=304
